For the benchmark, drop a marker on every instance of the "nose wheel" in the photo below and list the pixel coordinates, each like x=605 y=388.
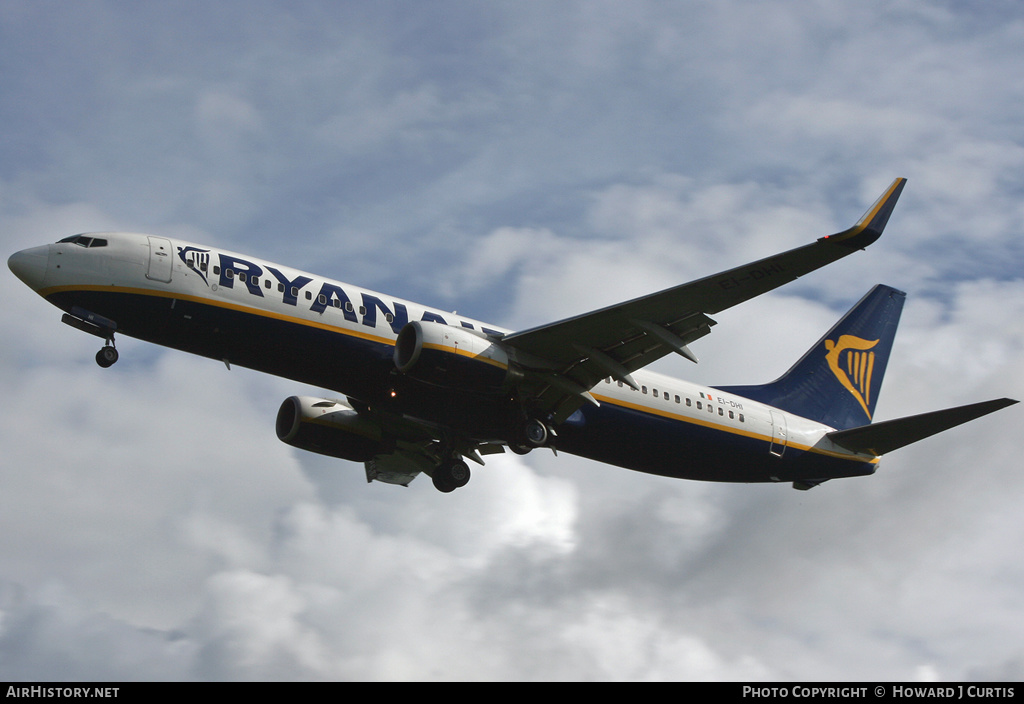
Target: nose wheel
x=107 y=355
x=95 y=324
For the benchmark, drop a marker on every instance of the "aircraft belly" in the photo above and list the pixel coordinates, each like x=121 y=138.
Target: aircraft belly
x=482 y=416
x=303 y=353
x=676 y=448
x=348 y=364
x=364 y=369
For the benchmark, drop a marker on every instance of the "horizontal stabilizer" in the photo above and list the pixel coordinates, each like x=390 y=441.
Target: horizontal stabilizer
x=889 y=435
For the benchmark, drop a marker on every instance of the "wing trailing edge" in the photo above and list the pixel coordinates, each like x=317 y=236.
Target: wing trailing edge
x=886 y=436
x=620 y=339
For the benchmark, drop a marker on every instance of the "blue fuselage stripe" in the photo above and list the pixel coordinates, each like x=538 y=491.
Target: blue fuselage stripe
x=361 y=367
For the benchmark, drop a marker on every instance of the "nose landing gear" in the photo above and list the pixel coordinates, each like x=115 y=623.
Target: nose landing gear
x=107 y=354
x=97 y=325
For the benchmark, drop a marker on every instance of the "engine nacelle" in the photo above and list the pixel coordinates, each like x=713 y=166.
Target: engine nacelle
x=451 y=356
x=330 y=428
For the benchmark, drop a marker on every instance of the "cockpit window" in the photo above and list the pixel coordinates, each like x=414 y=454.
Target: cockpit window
x=85 y=241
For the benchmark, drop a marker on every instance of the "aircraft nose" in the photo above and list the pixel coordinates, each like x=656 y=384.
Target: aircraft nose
x=29 y=265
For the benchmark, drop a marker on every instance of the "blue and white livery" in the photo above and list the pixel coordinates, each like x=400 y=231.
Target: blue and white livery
x=426 y=389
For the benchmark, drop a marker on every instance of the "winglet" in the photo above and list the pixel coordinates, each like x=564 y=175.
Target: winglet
x=869 y=228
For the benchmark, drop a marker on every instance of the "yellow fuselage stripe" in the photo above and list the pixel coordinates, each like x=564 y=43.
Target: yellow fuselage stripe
x=389 y=341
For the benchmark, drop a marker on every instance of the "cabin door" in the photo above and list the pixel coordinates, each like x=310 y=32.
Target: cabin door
x=778 y=446
x=160 y=260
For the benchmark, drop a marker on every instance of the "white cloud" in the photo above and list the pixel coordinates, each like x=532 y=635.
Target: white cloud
x=221 y=113
x=524 y=164
x=252 y=628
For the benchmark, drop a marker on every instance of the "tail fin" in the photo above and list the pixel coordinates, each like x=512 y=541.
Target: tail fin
x=838 y=380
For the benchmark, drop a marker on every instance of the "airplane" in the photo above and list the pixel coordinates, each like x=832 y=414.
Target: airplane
x=426 y=389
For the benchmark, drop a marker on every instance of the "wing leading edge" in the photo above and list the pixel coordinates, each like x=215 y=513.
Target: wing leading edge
x=564 y=360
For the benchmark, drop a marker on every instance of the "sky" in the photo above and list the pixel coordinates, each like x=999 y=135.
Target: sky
x=518 y=162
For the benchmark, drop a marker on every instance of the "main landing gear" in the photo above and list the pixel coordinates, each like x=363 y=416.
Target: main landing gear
x=532 y=433
x=450 y=475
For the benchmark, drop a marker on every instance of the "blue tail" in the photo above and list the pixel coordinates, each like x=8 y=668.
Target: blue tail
x=838 y=380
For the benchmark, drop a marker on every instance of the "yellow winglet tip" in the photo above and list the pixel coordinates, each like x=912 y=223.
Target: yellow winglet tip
x=888 y=197
x=869 y=227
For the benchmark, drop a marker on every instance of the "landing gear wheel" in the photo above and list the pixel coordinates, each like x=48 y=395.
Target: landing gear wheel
x=441 y=485
x=536 y=433
x=450 y=476
x=459 y=473
x=106 y=356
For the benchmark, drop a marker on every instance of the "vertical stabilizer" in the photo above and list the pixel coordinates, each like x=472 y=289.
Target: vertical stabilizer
x=838 y=380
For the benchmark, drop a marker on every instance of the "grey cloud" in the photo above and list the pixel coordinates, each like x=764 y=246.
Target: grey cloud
x=520 y=163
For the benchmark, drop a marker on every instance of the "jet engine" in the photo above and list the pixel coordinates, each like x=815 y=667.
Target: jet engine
x=329 y=428
x=450 y=356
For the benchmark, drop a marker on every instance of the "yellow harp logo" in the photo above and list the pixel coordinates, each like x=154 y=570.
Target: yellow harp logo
x=852 y=361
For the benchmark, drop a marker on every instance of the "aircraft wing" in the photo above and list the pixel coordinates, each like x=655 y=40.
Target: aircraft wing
x=563 y=360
